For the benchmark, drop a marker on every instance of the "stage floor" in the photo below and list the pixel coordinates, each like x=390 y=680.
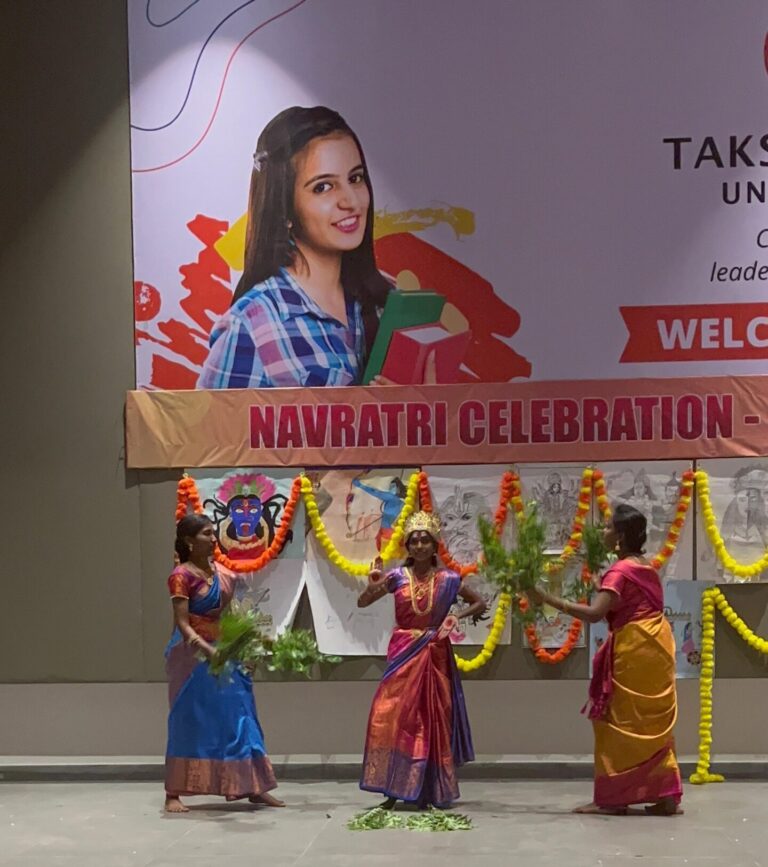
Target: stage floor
x=525 y=823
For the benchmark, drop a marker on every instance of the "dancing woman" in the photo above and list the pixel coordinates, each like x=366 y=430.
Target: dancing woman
x=632 y=697
x=418 y=731
x=215 y=742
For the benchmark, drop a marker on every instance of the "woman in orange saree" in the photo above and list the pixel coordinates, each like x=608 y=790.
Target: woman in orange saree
x=632 y=698
x=418 y=731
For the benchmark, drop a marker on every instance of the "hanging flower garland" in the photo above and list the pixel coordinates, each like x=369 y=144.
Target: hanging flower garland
x=509 y=492
x=552 y=656
x=391 y=549
x=492 y=641
x=741 y=570
x=510 y=485
x=711 y=598
x=583 y=505
x=676 y=527
x=187 y=496
x=555 y=655
x=702 y=773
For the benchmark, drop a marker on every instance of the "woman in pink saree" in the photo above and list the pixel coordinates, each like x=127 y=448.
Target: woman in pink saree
x=632 y=698
x=418 y=731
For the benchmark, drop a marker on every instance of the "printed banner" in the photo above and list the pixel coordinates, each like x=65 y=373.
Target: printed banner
x=682 y=608
x=420 y=213
x=739 y=494
x=246 y=507
x=526 y=422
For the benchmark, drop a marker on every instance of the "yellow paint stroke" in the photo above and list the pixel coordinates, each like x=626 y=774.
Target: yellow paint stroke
x=231 y=245
x=461 y=220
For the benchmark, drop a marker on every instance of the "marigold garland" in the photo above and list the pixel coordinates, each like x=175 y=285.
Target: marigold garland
x=391 y=549
x=509 y=491
x=187 y=496
x=510 y=495
x=711 y=598
x=554 y=656
x=741 y=570
x=492 y=641
x=676 y=527
x=571 y=547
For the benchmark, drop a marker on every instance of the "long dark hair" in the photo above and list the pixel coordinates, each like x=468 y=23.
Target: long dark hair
x=268 y=242
x=630 y=524
x=188 y=527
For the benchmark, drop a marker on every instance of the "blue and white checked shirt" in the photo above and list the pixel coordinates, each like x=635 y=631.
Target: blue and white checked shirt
x=276 y=336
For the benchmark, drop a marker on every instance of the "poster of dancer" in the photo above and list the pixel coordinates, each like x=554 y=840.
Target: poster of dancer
x=359 y=509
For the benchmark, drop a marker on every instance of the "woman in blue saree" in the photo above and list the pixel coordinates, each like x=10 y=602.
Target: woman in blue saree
x=215 y=742
x=418 y=731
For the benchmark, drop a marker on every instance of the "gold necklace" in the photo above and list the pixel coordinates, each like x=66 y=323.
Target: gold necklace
x=421 y=589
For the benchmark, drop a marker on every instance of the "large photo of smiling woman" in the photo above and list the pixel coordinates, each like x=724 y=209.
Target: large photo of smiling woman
x=305 y=310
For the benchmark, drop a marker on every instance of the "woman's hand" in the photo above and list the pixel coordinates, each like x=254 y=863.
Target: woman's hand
x=202 y=646
x=376 y=576
x=535 y=595
x=447 y=626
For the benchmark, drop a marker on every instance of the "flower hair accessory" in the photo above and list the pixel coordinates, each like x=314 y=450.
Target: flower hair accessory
x=259 y=158
x=423 y=521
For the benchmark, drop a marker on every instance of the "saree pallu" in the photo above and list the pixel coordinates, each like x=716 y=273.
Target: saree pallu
x=634 y=703
x=215 y=742
x=418 y=731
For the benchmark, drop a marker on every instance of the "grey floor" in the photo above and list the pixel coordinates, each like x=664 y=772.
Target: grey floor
x=117 y=824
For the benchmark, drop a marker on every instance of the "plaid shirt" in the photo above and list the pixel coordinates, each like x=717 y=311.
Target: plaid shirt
x=276 y=336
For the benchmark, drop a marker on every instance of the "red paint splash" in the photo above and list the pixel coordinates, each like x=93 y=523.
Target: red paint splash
x=209 y=294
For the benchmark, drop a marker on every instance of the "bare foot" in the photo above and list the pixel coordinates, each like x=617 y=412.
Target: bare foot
x=389 y=804
x=593 y=810
x=174 y=805
x=267 y=800
x=665 y=807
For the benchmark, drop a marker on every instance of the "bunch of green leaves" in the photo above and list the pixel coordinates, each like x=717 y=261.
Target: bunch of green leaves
x=239 y=635
x=379 y=819
x=244 y=642
x=296 y=650
x=595 y=552
x=496 y=562
x=376 y=819
x=529 y=554
x=519 y=570
x=439 y=820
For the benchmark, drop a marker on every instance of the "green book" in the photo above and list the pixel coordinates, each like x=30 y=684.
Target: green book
x=401 y=310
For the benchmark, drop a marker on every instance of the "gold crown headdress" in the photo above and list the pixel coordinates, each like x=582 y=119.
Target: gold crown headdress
x=423 y=521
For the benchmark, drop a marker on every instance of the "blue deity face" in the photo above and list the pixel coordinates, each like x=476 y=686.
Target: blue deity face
x=245 y=513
